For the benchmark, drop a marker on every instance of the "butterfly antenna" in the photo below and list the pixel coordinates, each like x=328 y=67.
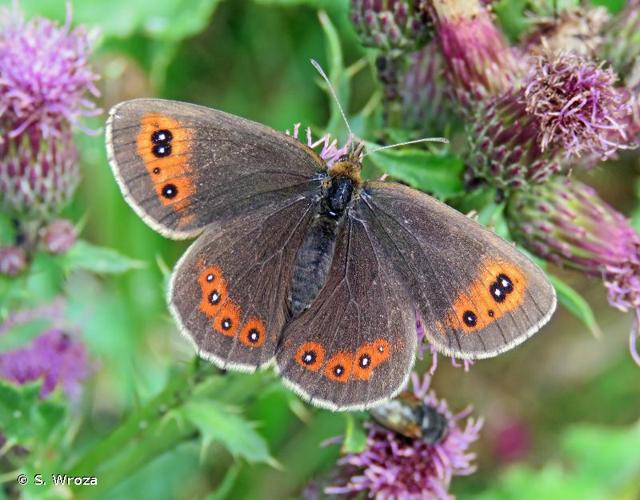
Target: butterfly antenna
x=416 y=141
x=333 y=93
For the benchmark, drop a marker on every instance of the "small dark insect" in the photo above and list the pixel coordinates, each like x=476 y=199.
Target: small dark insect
x=410 y=417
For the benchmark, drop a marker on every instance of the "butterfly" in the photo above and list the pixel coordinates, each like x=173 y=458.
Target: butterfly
x=310 y=268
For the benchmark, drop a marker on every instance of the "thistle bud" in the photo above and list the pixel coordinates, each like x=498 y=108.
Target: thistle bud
x=566 y=222
x=391 y=25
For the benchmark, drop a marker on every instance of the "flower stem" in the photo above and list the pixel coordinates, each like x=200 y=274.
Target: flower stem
x=150 y=431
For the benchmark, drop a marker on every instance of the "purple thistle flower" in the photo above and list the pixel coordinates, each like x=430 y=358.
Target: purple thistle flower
x=567 y=223
x=329 y=150
x=577 y=105
x=44 y=81
x=54 y=357
x=392 y=466
x=391 y=25
x=478 y=60
x=44 y=75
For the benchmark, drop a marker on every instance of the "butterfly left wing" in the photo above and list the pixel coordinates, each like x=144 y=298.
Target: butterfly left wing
x=228 y=293
x=355 y=346
x=182 y=167
x=477 y=294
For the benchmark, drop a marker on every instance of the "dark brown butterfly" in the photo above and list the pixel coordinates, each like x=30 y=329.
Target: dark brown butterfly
x=308 y=267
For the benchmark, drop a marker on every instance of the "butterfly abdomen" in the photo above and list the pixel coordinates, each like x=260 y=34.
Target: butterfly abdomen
x=315 y=255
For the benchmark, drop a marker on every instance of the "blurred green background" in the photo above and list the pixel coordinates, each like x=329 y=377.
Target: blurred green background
x=571 y=401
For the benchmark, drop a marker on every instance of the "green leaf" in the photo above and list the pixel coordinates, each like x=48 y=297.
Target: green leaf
x=355 y=439
x=87 y=257
x=604 y=455
x=576 y=304
x=439 y=173
x=161 y=19
x=218 y=423
x=24 y=417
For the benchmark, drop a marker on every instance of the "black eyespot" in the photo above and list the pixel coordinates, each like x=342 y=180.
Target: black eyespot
x=161 y=150
x=469 y=318
x=491 y=313
x=169 y=191
x=254 y=336
x=226 y=323
x=161 y=136
x=210 y=277
x=497 y=292
x=381 y=348
x=505 y=282
x=156 y=170
x=214 y=297
x=338 y=370
x=309 y=357
x=364 y=361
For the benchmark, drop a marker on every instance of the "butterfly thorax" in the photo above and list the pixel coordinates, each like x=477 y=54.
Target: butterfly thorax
x=314 y=257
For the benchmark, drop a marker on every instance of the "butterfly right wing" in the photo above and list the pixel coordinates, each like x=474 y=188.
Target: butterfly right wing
x=228 y=293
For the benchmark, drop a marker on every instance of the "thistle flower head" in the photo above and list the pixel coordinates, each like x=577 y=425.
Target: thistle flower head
x=504 y=150
x=54 y=357
x=44 y=83
x=393 y=466
x=391 y=25
x=425 y=101
x=479 y=62
x=577 y=105
x=44 y=75
x=567 y=223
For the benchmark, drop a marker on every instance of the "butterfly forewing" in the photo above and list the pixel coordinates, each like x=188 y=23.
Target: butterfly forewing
x=477 y=294
x=228 y=293
x=183 y=167
x=355 y=345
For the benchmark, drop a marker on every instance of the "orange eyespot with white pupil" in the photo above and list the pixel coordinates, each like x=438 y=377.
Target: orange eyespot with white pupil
x=310 y=356
x=227 y=319
x=253 y=333
x=339 y=367
x=214 y=290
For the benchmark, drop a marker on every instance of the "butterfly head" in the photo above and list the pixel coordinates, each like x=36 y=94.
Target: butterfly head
x=349 y=165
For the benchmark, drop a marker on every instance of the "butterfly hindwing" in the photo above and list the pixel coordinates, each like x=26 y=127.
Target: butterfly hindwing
x=228 y=292
x=183 y=166
x=477 y=294
x=356 y=344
